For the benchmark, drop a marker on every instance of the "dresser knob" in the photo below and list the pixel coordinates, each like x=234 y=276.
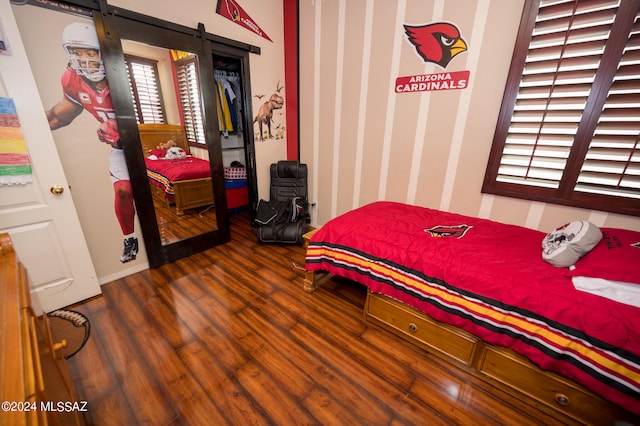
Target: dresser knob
x=60 y=345
x=413 y=327
x=562 y=399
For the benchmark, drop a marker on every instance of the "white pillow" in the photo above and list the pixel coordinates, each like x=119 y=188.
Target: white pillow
x=565 y=245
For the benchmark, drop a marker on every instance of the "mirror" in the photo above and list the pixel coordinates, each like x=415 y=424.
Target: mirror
x=164 y=86
x=191 y=215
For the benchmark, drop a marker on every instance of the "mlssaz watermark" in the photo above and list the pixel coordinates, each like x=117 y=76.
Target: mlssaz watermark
x=48 y=406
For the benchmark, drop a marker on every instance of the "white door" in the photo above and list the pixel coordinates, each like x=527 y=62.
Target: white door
x=43 y=226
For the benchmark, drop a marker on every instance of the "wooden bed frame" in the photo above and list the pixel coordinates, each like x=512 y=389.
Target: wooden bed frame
x=501 y=367
x=188 y=194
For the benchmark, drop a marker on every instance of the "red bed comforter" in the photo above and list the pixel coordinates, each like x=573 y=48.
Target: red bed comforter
x=489 y=279
x=163 y=172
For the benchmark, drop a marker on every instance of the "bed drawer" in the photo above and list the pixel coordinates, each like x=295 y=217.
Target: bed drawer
x=547 y=388
x=409 y=323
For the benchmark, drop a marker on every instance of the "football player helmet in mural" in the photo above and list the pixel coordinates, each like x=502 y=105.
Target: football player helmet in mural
x=80 y=41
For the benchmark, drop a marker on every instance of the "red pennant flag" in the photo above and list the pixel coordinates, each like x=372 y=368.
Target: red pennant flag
x=231 y=10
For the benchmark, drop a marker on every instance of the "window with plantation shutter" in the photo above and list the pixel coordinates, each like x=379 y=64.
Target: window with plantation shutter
x=145 y=89
x=569 y=126
x=189 y=97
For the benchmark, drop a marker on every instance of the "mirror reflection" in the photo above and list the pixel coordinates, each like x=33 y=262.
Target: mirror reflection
x=165 y=88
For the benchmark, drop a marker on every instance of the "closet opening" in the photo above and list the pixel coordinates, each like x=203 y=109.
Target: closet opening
x=235 y=124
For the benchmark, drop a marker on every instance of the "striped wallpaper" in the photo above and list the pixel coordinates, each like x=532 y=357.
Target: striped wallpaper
x=364 y=142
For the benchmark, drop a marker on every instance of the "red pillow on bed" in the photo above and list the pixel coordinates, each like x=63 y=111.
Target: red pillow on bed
x=616 y=257
x=160 y=153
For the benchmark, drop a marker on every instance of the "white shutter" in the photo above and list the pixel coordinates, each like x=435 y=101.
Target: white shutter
x=148 y=93
x=189 y=92
x=565 y=52
x=612 y=164
x=145 y=90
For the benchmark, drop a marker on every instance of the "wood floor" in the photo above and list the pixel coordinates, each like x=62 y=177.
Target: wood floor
x=174 y=227
x=228 y=336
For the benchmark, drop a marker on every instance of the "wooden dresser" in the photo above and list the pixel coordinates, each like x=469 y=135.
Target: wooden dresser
x=35 y=388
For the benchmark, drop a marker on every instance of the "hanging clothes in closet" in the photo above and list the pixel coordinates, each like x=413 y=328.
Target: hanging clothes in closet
x=229 y=107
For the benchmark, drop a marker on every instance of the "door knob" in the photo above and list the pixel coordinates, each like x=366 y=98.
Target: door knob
x=57 y=189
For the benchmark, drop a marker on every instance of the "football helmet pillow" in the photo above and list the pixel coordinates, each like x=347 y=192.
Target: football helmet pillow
x=563 y=246
x=175 y=153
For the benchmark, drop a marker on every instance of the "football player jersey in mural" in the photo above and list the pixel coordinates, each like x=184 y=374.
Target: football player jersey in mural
x=78 y=91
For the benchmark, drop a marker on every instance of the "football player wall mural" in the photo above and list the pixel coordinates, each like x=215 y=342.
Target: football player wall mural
x=85 y=88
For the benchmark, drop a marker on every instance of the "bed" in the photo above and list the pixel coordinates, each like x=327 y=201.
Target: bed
x=477 y=293
x=183 y=183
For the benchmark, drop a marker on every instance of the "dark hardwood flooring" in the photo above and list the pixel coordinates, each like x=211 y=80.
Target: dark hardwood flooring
x=228 y=336
x=174 y=227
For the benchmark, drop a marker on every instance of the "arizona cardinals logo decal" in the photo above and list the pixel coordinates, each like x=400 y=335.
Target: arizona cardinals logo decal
x=232 y=10
x=439 y=42
x=456 y=231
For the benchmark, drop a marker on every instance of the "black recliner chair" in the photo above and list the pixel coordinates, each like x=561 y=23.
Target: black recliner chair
x=284 y=218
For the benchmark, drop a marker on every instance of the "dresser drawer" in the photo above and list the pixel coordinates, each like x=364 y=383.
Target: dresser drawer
x=438 y=338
